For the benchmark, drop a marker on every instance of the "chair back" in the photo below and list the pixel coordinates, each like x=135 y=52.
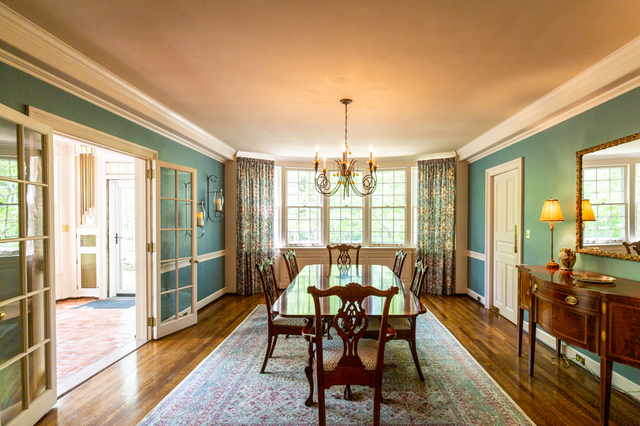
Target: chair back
x=343 y=257
x=292 y=264
x=399 y=262
x=633 y=245
x=418 y=279
x=269 y=284
x=351 y=323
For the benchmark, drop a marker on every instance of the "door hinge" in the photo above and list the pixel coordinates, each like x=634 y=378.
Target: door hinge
x=151 y=321
x=151 y=247
x=151 y=174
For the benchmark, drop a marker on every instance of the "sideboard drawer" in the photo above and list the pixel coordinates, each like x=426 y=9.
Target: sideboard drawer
x=582 y=302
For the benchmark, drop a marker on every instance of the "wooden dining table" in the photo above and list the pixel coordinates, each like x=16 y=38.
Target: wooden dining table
x=295 y=302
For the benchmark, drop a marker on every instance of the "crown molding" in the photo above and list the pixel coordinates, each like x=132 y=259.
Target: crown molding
x=616 y=74
x=107 y=90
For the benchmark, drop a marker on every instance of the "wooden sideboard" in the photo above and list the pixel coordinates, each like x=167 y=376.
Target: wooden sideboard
x=601 y=318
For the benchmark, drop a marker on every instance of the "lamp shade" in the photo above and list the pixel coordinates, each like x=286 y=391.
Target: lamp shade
x=551 y=211
x=587 y=211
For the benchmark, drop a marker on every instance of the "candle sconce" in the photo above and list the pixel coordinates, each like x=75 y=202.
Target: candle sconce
x=200 y=212
x=218 y=200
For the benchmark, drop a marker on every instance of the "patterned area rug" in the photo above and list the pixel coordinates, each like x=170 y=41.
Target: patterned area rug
x=227 y=388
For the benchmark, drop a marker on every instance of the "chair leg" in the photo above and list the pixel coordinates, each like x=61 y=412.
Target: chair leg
x=322 y=421
x=377 y=400
x=414 y=353
x=273 y=346
x=266 y=355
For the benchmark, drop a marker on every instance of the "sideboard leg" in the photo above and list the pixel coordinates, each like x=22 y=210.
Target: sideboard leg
x=558 y=347
x=520 y=321
x=606 y=367
x=532 y=345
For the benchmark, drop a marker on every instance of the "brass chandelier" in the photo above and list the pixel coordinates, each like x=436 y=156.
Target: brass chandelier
x=346 y=171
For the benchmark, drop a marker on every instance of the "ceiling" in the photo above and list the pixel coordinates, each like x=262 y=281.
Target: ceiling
x=267 y=76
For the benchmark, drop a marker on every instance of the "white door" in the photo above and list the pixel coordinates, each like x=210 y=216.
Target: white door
x=176 y=292
x=27 y=302
x=122 y=238
x=506 y=214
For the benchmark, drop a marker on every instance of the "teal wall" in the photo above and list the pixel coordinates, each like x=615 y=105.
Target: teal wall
x=550 y=171
x=19 y=90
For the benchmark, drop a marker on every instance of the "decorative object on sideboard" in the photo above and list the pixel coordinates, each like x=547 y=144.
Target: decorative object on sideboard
x=347 y=170
x=551 y=213
x=218 y=200
x=567 y=258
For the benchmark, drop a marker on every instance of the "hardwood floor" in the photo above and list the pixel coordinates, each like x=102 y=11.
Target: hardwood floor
x=125 y=392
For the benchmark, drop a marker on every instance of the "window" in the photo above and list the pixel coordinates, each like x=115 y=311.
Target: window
x=388 y=205
x=604 y=187
x=345 y=217
x=304 y=209
x=414 y=203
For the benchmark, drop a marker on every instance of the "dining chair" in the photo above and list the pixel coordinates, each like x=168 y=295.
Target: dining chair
x=343 y=257
x=352 y=359
x=292 y=264
x=399 y=262
x=277 y=325
x=406 y=327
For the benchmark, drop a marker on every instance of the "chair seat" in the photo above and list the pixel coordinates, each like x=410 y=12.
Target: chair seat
x=396 y=323
x=332 y=352
x=292 y=322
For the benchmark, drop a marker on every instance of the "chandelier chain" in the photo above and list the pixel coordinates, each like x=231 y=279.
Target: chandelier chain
x=345 y=123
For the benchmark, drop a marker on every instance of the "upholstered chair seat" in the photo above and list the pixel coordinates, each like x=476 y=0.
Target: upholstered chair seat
x=397 y=324
x=292 y=322
x=333 y=350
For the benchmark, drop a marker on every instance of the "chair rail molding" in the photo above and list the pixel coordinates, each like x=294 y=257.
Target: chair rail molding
x=97 y=85
x=616 y=74
x=476 y=255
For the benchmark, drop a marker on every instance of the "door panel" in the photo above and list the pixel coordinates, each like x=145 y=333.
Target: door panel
x=27 y=310
x=122 y=233
x=505 y=258
x=177 y=288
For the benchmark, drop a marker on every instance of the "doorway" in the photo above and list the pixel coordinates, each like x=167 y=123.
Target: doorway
x=503 y=228
x=121 y=234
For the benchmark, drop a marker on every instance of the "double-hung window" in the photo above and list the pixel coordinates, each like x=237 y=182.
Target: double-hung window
x=304 y=209
x=604 y=187
x=346 y=216
x=388 y=208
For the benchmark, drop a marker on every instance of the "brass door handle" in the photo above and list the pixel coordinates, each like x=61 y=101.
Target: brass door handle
x=196 y=261
x=535 y=287
x=2 y=316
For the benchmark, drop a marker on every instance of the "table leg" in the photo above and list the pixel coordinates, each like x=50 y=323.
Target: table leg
x=347 y=393
x=308 y=370
x=606 y=367
x=558 y=347
x=532 y=345
x=520 y=321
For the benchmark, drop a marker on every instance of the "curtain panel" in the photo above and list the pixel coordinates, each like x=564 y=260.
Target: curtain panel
x=437 y=223
x=254 y=221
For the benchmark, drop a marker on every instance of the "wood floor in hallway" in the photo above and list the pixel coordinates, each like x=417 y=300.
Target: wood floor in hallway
x=125 y=392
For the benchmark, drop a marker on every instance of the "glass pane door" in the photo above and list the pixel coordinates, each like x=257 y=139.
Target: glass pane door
x=177 y=292
x=122 y=250
x=27 y=381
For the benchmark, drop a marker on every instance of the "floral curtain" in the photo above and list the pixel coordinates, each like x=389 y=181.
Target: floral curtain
x=437 y=223
x=254 y=221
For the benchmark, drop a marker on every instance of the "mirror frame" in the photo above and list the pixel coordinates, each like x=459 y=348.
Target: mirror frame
x=579 y=175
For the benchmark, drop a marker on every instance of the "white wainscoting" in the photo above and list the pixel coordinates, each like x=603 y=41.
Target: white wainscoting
x=368 y=256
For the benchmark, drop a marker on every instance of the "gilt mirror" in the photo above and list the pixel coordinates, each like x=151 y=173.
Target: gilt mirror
x=608 y=180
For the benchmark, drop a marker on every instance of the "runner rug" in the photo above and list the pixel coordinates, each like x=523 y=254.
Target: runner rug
x=228 y=389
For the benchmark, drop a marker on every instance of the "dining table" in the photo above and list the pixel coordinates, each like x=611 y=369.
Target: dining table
x=296 y=302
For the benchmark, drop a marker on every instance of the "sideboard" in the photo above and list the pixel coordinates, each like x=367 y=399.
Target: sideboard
x=601 y=318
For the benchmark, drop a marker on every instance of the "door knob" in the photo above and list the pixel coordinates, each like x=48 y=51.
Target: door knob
x=2 y=316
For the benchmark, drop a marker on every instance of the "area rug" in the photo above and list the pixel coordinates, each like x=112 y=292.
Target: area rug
x=109 y=304
x=228 y=389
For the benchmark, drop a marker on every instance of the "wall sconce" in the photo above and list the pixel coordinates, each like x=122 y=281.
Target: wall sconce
x=215 y=214
x=200 y=212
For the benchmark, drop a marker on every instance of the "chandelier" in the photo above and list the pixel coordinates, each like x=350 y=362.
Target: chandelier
x=346 y=170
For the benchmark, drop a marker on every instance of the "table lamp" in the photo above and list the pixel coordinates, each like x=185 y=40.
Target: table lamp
x=551 y=213
x=587 y=212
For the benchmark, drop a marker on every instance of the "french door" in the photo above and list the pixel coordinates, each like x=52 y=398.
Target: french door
x=27 y=302
x=122 y=237
x=176 y=298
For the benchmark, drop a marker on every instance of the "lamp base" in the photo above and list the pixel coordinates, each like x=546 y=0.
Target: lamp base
x=552 y=265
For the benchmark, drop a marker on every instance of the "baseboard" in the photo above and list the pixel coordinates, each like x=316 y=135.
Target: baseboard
x=570 y=352
x=204 y=302
x=475 y=296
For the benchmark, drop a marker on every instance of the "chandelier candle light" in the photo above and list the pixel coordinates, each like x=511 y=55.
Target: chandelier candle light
x=346 y=170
